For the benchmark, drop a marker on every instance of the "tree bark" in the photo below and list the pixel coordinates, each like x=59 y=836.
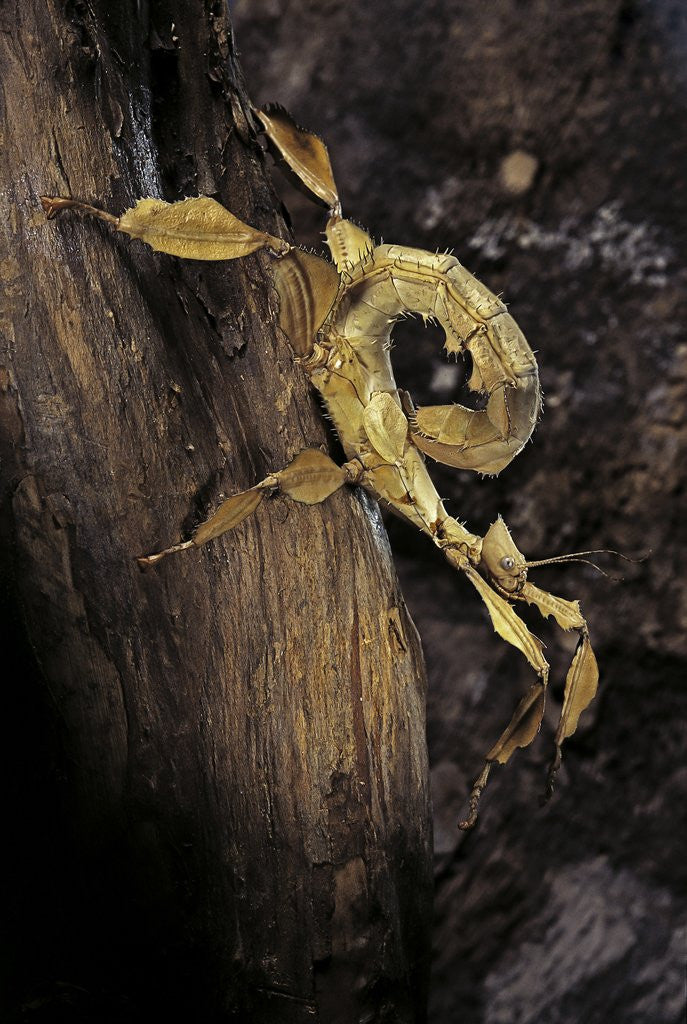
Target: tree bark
x=219 y=782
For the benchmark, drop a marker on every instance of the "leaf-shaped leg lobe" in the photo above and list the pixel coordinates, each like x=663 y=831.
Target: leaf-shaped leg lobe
x=581 y=684
x=307 y=286
x=520 y=731
x=527 y=718
x=582 y=679
x=300 y=153
x=310 y=478
x=199 y=228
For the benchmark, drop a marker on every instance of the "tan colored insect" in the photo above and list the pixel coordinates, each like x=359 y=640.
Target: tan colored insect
x=339 y=318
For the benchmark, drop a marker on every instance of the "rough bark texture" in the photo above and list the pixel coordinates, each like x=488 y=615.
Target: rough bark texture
x=216 y=778
x=546 y=144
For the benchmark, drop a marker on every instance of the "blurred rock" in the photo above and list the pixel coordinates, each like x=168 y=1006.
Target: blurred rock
x=517 y=172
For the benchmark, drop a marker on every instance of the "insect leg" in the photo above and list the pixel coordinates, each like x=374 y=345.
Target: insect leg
x=198 y=228
x=580 y=688
x=300 y=154
x=583 y=675
x=310 y=478
x=520 y=731
x=526 y=720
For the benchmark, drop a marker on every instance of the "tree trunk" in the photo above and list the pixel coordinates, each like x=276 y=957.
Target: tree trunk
x=220 y=802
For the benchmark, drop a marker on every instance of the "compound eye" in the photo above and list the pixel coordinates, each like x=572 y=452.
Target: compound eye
x=508 y=563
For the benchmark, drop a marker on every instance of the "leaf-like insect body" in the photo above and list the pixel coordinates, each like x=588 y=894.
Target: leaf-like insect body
x=230 y=513
x=386 y=426
x=311 y=477
x=580 y=688
x=498 y=413
x=493 y=372
x=307 y=286
x=304 y=154
x=197 y=229
x=476 y=380
x=457 y=323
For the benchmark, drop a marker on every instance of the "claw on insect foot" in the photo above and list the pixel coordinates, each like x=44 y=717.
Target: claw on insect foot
x=551 y=777
x=477 y=790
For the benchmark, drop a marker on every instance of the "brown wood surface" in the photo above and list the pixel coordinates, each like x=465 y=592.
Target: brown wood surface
x=232 y=745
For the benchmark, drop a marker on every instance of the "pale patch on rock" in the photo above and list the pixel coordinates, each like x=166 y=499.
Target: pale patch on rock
x=595 y=918
x=609 y=240
x=518 y=171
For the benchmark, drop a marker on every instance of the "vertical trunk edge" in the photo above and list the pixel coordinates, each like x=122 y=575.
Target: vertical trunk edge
x=219 y=797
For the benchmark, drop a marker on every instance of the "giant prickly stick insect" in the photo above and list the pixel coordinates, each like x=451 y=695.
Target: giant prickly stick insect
x=338 y=318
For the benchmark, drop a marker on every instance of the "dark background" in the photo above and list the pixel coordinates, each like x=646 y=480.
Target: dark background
x=545 y=143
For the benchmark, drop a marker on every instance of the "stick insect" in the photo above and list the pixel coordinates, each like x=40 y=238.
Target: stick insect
x=338 y=317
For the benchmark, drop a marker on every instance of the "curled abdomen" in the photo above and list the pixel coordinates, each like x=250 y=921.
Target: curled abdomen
x=394 y=281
